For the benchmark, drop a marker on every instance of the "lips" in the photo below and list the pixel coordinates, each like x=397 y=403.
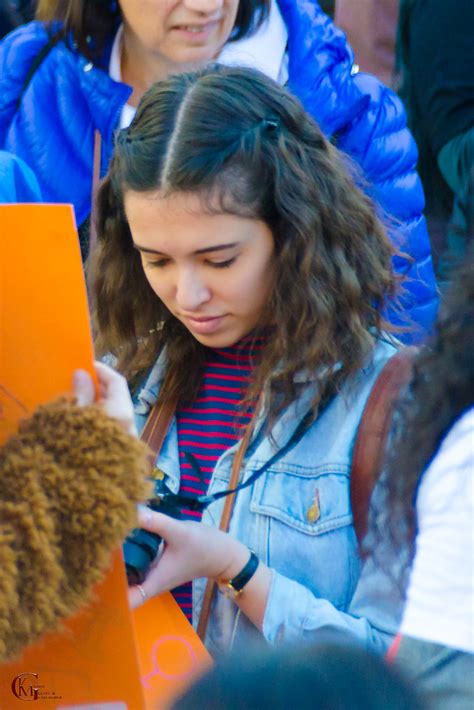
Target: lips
x=203 y=325
x=193 y=28
x=196 y=29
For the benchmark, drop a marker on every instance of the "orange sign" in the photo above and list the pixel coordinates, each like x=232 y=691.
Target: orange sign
x=45 y=332
x=104 y=657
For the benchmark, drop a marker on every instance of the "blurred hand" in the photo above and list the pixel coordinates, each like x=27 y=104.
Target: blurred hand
x=114 y=396
x=191 y=550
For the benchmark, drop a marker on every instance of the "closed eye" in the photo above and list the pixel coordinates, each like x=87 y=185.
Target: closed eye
x=159 y=263
x=222 y=264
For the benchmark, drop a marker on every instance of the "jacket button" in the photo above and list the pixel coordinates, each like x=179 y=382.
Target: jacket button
x=88 y=66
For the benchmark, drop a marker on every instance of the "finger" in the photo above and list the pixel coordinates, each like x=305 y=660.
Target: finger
x=109 y=379
x=115 y=396
x=155 y=522
x=83 y=388
x=135 y=597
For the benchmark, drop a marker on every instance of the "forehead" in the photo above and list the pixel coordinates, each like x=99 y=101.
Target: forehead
x=182 y=222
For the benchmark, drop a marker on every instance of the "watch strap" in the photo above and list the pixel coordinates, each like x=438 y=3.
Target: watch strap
x=238 y=582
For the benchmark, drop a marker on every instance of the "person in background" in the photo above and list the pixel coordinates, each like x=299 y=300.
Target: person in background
x=239 y=277
x=13 y=14
x=8 y=18
x=430 y=487
x=329 y=676
x=82 y=70
x=371 y=28
x=436 y=56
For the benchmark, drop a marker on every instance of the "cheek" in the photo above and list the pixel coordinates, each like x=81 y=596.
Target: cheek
x=157 y=284
x=251 y=288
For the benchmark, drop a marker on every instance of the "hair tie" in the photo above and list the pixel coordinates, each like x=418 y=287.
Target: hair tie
x=271 y=124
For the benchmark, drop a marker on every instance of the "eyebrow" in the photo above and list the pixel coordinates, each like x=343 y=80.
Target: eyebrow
x=206 y=250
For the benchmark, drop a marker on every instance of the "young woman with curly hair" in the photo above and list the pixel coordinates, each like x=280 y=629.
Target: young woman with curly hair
x=238 y=265
x=80 y=70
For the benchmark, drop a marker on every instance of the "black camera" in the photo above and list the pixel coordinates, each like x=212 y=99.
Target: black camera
x=141 y=547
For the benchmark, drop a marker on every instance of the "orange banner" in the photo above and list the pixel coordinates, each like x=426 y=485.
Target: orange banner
x=45 y=331
x=104 y=657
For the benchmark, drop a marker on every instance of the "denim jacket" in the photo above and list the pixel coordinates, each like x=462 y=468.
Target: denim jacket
x=317 y=582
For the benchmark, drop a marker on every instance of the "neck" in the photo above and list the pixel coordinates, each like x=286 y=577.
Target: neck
x=141 y=68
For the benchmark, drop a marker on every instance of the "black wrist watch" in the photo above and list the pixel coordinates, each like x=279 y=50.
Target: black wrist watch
x=232 y=588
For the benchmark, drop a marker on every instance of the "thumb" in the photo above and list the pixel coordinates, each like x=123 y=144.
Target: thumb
x=83 y=388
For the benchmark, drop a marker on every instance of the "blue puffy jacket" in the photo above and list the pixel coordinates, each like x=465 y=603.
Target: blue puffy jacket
x=51 y=125
x=17 y=181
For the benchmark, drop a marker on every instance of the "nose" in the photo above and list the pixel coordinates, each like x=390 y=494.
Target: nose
x=204 y=7
x=191 y=291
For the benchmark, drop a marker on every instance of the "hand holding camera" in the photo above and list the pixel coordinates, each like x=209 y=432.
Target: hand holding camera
x=191 y=550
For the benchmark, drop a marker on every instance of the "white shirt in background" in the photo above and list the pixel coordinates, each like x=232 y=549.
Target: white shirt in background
x=440 y=599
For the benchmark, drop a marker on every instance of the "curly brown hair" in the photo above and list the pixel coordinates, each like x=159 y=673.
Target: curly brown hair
x=441 y=391
x=246 y=147
x=93 y=22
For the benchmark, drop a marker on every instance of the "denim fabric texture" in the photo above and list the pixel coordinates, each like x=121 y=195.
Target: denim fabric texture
x=318 y=581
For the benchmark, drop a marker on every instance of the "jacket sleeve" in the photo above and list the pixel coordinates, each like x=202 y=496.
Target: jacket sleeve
x=17 y=53
x=17 y=181
x=368 y=123
x=294 y=614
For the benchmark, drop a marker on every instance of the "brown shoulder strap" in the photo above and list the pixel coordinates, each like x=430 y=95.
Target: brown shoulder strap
x=157 y=425
x=372 y=434
x=224 y=525
x=95 y=189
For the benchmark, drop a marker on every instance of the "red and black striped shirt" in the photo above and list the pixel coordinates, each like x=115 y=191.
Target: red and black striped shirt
x=212 y=424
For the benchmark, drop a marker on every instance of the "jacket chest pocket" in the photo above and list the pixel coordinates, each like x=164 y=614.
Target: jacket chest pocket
x=309 y=535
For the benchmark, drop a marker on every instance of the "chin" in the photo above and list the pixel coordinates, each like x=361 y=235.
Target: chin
x=218 y=340
x=197 y=57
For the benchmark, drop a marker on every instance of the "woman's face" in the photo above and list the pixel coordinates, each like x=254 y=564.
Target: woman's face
x=183 y=33
x=214 y=272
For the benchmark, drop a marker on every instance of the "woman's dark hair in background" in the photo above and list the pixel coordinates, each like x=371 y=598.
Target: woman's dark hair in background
x=248 y=148
x=442 y=389
x=93 y=22
x=326 y=677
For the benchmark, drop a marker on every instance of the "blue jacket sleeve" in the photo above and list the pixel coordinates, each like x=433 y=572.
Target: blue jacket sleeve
x=293 y=614
x=368 y=123
x=17 y=53
x=17 y=181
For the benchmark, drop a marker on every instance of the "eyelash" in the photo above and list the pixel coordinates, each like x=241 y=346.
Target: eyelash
x=214 y=264
x=222 y=264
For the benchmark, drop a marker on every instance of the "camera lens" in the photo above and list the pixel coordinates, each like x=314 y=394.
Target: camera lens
x=139 y=551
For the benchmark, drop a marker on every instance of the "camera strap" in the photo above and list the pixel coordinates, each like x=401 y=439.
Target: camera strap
x=202 y=502
x=367 y=456
x=154 y=433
